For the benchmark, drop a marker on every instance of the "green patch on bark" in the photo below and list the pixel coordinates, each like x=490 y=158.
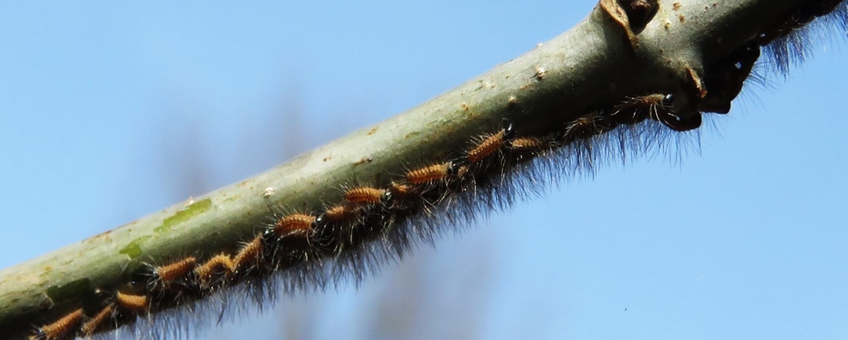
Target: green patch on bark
x=186 y=214
x=133 y=249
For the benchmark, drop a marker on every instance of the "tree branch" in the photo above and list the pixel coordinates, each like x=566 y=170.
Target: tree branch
x=604 y=59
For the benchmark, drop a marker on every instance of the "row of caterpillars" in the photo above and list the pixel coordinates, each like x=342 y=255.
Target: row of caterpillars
x=365 y=214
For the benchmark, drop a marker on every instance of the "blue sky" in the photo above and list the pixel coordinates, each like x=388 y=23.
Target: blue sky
x=111 y=112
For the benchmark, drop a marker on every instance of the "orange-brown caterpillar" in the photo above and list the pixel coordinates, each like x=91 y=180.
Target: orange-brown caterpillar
x=656 y=107
x=248 y=256
x=170 y=273
x=364 y=196
x=584 y=127
x=401 y=189
x=294 y=224
x=430 y=174
x=339 y=213
x=62 y=328
x=132 y=302
x=99 y=321
x=489 y=145
x=528 y=143
x=403 y=196
x=530 y=147
x=218 y=266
